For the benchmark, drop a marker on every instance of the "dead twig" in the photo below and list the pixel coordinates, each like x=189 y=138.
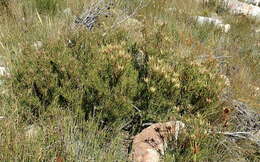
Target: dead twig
x=251 y=136
x=121 y=19
x=90 y=16
x=140 y=6
x=136 y=108
x=102 y=8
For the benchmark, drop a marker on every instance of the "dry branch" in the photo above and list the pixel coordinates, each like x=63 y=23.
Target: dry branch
x=101 y=8
x=91 y=15
x=245 y=118
x=247 y=124
x=252 y=136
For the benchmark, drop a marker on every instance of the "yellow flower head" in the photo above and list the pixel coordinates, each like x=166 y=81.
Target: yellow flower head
x=152 y=89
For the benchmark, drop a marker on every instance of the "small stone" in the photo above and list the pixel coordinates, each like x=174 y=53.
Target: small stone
x=151 y=143
x=217 y=22
x=240 y=8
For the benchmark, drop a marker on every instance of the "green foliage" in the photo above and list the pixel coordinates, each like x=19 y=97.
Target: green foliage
x=111 y=77
x=196 y=144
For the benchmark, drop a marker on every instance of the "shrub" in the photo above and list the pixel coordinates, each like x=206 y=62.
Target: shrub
x=88 y=92
x=111 y=77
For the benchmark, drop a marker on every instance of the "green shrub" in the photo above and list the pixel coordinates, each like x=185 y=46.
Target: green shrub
x=96 y=90
x=111 y=77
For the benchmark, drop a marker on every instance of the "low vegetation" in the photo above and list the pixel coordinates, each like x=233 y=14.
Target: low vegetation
x=87 y=92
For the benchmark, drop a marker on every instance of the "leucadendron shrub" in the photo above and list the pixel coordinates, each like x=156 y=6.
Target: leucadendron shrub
x=112 y=77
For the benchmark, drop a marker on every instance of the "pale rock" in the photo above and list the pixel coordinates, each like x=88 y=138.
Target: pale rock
x=254 y=2
x=151 y=143
x=217 y=22
x=237 y=7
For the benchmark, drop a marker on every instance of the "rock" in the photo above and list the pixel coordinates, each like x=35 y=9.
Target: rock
x=151 y=143
x=237 y=7
x=254 y=2
x=217 y=22
x=2 y=117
